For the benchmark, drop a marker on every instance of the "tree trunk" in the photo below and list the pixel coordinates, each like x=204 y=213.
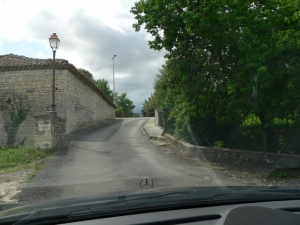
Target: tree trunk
x=270 y=134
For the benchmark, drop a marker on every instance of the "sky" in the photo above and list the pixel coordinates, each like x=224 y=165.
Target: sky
x=90 y=33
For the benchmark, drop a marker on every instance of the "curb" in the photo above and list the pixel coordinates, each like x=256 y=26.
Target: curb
x=157 y=138
x=145 y=131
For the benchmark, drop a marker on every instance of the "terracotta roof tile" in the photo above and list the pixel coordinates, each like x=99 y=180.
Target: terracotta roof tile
x=16 y=62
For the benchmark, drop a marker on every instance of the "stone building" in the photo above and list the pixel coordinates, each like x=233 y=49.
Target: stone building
x=79 y=103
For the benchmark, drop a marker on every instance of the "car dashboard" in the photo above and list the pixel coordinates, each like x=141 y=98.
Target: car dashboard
x=260 y=213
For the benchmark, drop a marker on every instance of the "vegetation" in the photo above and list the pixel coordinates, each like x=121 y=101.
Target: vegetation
x=284 y=173
x=15 y=157
x=227 y=62
x=148 y=108
x=103 y=85
x=15 y=109
x=17 y=117
x=124 y=104
x=87 y=74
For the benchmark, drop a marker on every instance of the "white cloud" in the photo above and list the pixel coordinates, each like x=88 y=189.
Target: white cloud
x=90 y=31
x=40 y=55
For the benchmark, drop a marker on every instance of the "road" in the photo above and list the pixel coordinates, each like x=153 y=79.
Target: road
x=114 y=159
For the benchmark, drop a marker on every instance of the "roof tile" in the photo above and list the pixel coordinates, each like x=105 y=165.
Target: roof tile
x=16 y=62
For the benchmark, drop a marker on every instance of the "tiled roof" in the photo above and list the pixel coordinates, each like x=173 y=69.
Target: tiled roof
x=16 y=62
x=13 y=62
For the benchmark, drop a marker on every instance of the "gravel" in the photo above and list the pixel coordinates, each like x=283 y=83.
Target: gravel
x=10 y=183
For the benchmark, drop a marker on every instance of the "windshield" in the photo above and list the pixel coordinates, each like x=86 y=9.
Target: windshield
x=119 y=97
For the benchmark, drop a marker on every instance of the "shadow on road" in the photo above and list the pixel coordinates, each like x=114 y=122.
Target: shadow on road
x=102 y=134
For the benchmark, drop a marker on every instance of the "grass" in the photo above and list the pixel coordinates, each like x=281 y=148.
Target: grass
x=13 y=159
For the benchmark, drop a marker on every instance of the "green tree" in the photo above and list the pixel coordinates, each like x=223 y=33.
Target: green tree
x=103 y=85
x=87 y=74
x=226 y=60
x=124 y=104
x=148 y=108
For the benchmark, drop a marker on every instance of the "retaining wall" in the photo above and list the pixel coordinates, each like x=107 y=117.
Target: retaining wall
x=232 y=156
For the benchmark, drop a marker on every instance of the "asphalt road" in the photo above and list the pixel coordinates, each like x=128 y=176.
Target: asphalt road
x=114 y=159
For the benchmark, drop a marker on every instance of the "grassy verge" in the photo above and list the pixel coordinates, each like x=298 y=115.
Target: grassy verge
x=14 y=159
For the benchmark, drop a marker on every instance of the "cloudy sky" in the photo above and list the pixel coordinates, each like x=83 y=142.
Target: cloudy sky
x=90 y=33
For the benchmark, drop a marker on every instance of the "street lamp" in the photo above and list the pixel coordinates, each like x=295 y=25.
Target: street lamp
x=114 y=94
x=54 y=43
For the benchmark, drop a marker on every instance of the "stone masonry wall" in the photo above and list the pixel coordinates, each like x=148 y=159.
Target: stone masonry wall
x=235 y=157
x=58 y=129
x=50 y=130
x=85 y=108
x=77 y=104
x=36 y=85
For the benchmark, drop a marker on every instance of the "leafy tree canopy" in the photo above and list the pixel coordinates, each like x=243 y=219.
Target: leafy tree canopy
x=124 y=104
x=148 y=106
x=103 y=85
x=87 y=74
x=225 y=60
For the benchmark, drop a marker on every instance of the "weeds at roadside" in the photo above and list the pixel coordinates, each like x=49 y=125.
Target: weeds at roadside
x=163 y=145
x=218 y=144
x=30 y=178
x=18 y=158
x=283 y=174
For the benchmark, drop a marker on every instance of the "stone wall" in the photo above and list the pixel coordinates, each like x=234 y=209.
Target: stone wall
x=58 y=129
x=84 y=107
x=235 y=157
x=43 y=136
x=36 y=85
x=78 y=102
x=50 y=130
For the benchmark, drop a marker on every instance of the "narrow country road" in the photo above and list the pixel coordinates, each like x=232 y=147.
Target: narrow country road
x=114 y=159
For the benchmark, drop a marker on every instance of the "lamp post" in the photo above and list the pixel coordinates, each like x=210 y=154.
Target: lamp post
x=54 y=43
x=114 y=94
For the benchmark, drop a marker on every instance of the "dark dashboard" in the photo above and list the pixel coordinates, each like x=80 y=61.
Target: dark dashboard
x=263 y=213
